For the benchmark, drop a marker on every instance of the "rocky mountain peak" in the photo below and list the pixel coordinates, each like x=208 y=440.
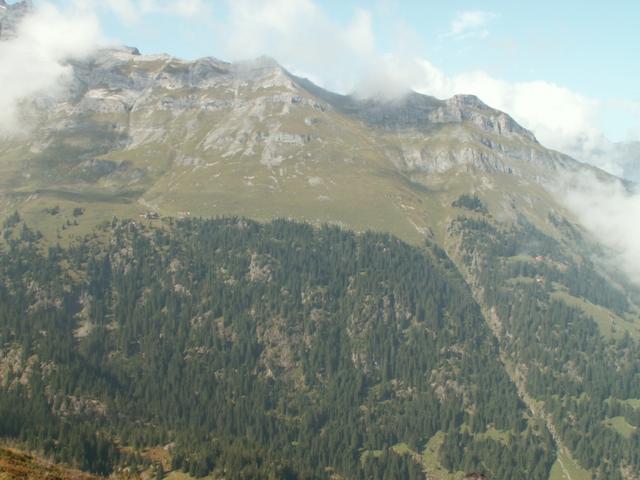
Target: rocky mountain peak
x=470 y=101
x=419 y=112
x=471 y=108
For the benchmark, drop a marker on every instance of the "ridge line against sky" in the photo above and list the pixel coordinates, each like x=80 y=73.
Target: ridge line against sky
x=566 y=71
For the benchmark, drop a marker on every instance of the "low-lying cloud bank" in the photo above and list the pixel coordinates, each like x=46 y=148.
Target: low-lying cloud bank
x=609 y=210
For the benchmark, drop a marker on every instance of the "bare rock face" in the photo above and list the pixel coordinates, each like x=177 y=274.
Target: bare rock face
x=470 y=108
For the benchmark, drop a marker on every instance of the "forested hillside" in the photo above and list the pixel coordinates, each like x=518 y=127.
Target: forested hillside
x=567 y=332
x=255 y=351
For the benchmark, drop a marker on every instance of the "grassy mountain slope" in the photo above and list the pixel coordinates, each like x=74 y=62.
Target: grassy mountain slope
x=18 y=465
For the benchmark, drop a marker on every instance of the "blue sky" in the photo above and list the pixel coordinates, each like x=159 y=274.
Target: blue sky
x=590 y=46
x=568 y=70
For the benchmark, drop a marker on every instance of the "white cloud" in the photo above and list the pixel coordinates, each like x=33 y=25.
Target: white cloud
x=132 y=11
x=359 y=34
x=35 y=62
x=621 y=159
x=471 y=23
x=186 y=8
x=302 y=37
x=608 y=210
x=561 y=119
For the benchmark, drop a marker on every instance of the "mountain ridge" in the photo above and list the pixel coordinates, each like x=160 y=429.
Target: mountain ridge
x=143 y=137
x=154 y=124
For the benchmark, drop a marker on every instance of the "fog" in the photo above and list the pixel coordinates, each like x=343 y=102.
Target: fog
x=610 y=211
x=35 y=61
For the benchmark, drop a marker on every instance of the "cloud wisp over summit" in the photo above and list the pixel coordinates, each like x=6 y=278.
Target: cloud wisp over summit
x=347 y=58
x=35 y=61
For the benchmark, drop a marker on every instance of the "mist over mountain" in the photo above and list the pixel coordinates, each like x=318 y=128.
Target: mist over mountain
x=222 y=269
x=627 y=156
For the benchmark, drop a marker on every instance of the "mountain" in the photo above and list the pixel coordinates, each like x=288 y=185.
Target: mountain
x=135 y=133
x=438 y=311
